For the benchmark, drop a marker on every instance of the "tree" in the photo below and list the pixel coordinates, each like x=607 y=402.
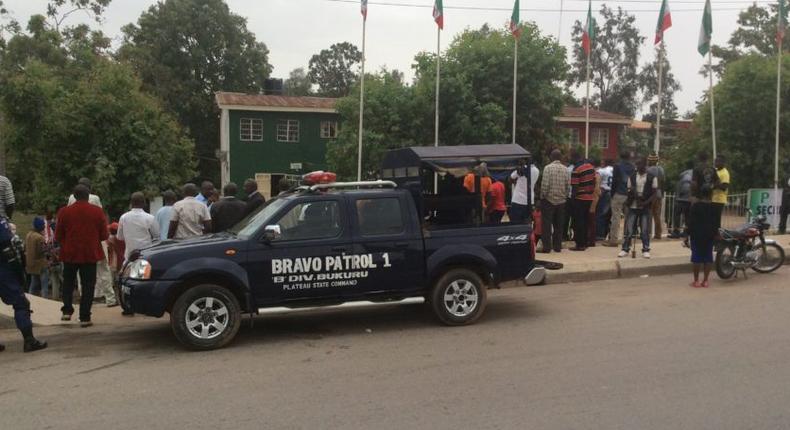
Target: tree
x=614 y=62
x=745 y=121
x=476 y=99
x=648 y=80
x=756 y=33
x=185 y=51
x=298 y=83
x=332 y=69
x=70 y=112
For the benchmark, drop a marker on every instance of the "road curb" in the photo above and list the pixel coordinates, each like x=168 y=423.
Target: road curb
x=626 y=268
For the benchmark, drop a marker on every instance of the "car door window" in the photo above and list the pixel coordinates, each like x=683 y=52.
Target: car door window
x=380 y=217
x=311 y=220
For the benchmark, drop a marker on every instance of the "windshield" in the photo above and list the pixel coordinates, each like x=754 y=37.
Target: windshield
x=249 y=225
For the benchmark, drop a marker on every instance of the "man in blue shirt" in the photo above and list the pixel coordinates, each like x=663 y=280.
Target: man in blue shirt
x=206 y=190
x=620 y=175
x=164 y=213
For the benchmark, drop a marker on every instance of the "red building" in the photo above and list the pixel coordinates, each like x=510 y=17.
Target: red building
x=605 y=129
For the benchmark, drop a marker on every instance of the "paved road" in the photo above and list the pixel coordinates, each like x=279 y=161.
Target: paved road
x=631 y=354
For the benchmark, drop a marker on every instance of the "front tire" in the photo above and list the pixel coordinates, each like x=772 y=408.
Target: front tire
x=724 y=267
x=459 y=297
x=206 y=317
x=770 y=260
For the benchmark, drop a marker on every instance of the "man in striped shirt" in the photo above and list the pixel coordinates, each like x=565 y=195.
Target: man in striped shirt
x=583 y=194
x=7 y=201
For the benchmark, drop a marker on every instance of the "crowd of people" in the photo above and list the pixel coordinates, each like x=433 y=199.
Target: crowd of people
x=591 y=202
x=80 y=250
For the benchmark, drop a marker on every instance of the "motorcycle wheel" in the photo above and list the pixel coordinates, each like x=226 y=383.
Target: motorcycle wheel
x=771 y=259
x=724 y=266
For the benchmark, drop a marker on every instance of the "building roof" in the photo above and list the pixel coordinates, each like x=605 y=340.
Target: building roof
x=271 y=103
x=641 y=125
x=579 y=114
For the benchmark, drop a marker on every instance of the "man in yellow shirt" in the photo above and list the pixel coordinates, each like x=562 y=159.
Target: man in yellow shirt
x=720 y=190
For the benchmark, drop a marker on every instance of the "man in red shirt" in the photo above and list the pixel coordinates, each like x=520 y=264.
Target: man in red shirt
x=80 y=230
x=495 y=206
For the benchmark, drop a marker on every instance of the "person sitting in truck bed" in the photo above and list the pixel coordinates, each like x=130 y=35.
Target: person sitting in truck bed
x=485 y=181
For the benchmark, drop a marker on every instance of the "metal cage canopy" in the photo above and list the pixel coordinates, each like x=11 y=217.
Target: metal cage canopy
x=408 y=162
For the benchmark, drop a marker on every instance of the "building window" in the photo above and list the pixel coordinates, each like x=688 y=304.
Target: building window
x=572 y=136
x=599 y=137
x=288 y=130
x=328 y=129
x=251 y=130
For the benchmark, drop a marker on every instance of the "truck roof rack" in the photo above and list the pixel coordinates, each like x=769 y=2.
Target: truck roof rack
x=361 y=184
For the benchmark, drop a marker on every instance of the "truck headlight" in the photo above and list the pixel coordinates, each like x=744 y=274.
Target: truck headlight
x=139 y=269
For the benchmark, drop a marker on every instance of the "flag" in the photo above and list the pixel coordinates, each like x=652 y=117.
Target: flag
x=781 y=21
x=588 y=36
x=515 y=22
x=364 y=9
x=438 y=13
x=664 y=21
x=705 y=30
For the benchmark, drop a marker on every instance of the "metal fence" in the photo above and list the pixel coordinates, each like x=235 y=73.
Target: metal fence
x=735 y=212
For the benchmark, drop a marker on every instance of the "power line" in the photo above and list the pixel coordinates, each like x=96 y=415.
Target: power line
x=502 y=9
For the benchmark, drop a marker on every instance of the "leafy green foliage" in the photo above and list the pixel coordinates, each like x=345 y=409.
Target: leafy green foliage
x=614 y=62
x=648 y=80
x=185 y=51
x=298 y=83
x=756 y=33
x=332 y=69
x=745 y=122
x=476 y=99
x=71 y=112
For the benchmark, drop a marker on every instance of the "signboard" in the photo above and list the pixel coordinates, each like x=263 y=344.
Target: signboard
x=766 y=201
x=296 y=166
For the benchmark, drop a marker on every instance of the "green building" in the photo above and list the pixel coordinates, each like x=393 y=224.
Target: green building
x=267 y=137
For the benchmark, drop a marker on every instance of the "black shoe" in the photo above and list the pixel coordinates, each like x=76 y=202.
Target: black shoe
x=577 y=248
x=33 y=344
x=544 y=251
x=127 y=313
x=2 y=347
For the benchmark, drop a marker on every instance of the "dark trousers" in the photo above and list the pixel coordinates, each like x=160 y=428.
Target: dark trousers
x=568 y=220
x=581 y=210
x=12 y=294
x=603 y=214
x=682 y=210
x=87 y=273
x=553 y=220
x=783 y=214
x=519 y=214
x=719 y=209
x=495 y=217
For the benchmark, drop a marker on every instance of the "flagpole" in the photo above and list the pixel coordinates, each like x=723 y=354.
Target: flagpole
x=515 y=84
x=361 y=102
x=657 y=143
x=559 y=30
x=438 y=75
x=778 y=100
x=587 y=113
x=712 y=104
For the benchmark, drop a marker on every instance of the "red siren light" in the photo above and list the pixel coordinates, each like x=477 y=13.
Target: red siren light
x=319 y=177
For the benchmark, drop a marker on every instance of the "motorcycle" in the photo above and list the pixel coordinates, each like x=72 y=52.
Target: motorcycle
x=747 y=248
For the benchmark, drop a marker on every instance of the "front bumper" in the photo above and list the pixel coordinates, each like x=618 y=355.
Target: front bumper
x=145 y=297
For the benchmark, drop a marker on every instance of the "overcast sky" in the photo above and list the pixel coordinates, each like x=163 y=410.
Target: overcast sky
x=294 y=30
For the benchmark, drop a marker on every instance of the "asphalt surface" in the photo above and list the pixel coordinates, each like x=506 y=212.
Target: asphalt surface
x=645 y=353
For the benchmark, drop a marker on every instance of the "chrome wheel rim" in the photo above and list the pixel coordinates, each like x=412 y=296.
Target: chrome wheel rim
x=770 y=258
x=461 y=298
x=207 y=318
x=726 y=261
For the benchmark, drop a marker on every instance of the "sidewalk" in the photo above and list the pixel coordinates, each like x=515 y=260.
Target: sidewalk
x=601 y=262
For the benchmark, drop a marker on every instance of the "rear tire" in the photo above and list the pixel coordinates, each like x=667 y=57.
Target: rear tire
x=206 y=317
x=459 y=297
x=724 y=267
x=778 y=254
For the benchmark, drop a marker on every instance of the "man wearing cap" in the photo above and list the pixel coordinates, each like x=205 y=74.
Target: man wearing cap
x=655 y=209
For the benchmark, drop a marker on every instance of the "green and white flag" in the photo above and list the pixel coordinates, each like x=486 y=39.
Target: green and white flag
x=781 y=21
x=705 y=30
x=515 y=21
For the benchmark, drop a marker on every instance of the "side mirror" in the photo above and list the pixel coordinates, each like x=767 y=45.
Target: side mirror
x=271 y=233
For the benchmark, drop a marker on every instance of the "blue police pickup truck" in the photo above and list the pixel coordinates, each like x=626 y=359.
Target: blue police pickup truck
x=325 y=245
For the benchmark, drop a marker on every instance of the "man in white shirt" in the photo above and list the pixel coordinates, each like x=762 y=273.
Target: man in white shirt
x=136 y=227
x=190 y=217
x=523 y=198
x=92 y=198
x=602 y=215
